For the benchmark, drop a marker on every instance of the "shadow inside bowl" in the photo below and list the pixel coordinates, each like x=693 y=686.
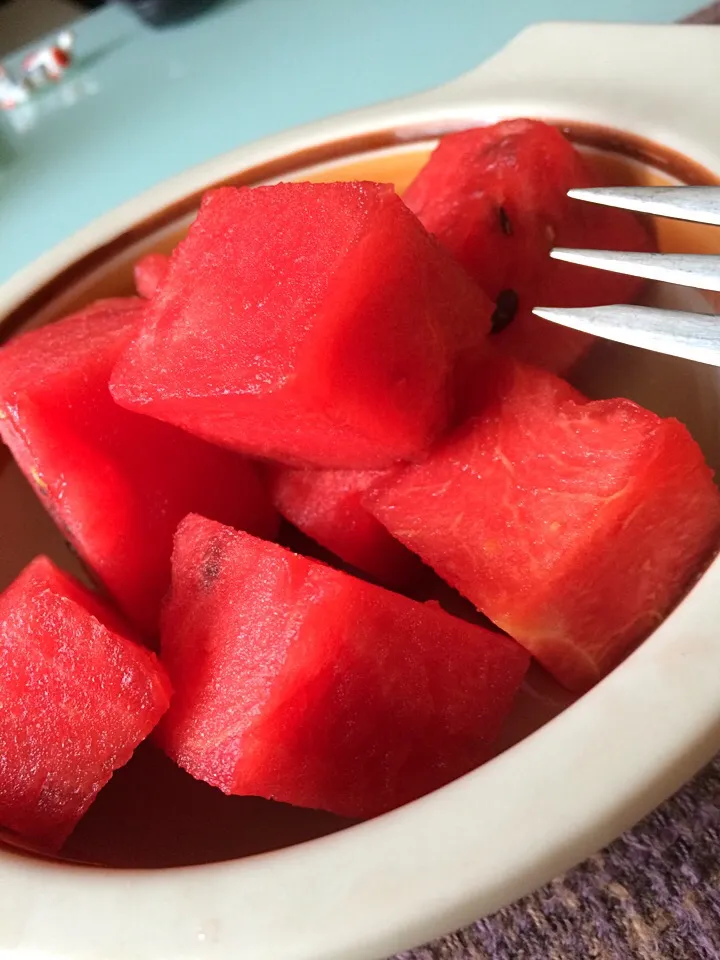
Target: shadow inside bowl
x=152 y=814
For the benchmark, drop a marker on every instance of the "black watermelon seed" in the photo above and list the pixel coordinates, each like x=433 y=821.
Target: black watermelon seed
x=212 y=562
x=505 y=309
x=505 y=223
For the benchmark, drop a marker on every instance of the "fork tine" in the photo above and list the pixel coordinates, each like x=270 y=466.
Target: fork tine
x=693 y=336
x=699 y=204
x=687 y=269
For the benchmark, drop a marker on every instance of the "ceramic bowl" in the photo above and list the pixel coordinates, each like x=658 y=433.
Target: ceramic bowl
x=164 y=867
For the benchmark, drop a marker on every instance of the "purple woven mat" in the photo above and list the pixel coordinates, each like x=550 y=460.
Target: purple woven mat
x=654 y=894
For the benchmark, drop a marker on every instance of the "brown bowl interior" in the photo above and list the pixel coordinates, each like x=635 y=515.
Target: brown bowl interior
x=152 y=814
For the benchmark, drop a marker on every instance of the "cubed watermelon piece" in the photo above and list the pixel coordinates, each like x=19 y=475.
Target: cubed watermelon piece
x=150 y=272
x=496 y=197
x=310 y=323
x=327 y=506
x=299 y=683
x=574 y=525
x=77 y=698
x=116 y=483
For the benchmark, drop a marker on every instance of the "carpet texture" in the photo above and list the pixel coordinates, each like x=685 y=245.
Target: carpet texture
x=654 y=894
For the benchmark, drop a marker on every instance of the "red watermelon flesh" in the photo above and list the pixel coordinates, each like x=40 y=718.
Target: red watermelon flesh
x=574 y=525
x=311 y=323
x=299 y=683
x=327 y=506
x=496 y=197
x=150 y=272
x=116 y=483
x=77 y=698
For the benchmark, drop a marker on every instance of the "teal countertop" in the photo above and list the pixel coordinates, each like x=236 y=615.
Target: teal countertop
x=142 y=104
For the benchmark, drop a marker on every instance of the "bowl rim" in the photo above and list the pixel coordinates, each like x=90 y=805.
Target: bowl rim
x=312 y=157
x=470 y=847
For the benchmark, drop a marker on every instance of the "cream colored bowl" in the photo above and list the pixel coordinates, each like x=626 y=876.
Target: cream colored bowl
x=264 y=882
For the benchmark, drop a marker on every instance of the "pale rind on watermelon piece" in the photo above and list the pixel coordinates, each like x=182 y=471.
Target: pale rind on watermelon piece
x=116 y=483
x=77 y=698
x=575 y=526
x=496 y=198
x=299 y=683
x=150 y=272
x=327 y=506
x=317 y=324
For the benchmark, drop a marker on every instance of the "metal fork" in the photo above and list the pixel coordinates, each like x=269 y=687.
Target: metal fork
x=694 y=336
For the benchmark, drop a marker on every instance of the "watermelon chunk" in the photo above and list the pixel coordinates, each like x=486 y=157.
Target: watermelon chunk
x=77 y=698
x=496 y=197
x=116 y=483
x=311 y=323
x=150 y=272
x=327 y=506
x=574 y=525
x=299 y=683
